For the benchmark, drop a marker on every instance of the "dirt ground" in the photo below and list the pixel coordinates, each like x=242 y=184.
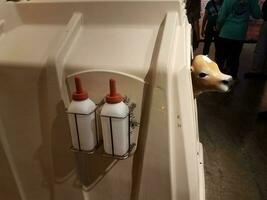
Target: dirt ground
x=235 y=139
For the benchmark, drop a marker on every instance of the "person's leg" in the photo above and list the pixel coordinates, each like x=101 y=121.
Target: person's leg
x=216 y=43
x=221 y=52
x=216 y=40
x=262 y=115
x=232 y=62
x=258 y=70
x=195 y=34
x=260 y=50
x=207 y=43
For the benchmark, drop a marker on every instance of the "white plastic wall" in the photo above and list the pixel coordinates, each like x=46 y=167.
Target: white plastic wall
x=146 y=47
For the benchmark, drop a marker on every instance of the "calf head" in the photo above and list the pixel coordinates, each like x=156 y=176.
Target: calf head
x=206 y=76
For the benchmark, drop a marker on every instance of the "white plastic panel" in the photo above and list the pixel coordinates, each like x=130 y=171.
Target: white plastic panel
x=146 y=46
x=29 y=44
x=127 y=48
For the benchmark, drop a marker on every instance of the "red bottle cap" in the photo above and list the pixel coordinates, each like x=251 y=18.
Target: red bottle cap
x=79 y=94
x=113 y=97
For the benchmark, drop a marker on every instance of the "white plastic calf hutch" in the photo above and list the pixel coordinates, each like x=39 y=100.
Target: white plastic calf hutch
x=145 y=47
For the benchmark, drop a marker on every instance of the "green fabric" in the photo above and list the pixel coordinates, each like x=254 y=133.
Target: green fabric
x=233 y=18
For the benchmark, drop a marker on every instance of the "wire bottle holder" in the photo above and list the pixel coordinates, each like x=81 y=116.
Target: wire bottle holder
x=132 y=123
x=78 y=133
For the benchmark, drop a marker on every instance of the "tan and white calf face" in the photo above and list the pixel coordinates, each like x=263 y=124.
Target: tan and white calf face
x=206 y=76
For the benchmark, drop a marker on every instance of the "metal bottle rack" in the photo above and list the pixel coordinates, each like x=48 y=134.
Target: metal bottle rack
x=79 y=150
x=132 y=123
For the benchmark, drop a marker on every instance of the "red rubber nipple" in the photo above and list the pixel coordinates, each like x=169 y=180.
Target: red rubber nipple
x=113 y=97
x=79 y=94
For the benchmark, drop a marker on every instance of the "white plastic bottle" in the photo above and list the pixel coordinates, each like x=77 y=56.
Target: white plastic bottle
x=115 y=129
x=83 y=130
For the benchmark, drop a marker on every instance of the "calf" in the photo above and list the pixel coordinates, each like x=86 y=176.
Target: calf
x=206 y=76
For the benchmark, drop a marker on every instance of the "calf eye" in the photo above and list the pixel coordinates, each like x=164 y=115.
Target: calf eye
x=202 y=75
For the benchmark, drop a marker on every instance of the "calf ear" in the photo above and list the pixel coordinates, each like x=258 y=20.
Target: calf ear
x=192 y=69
